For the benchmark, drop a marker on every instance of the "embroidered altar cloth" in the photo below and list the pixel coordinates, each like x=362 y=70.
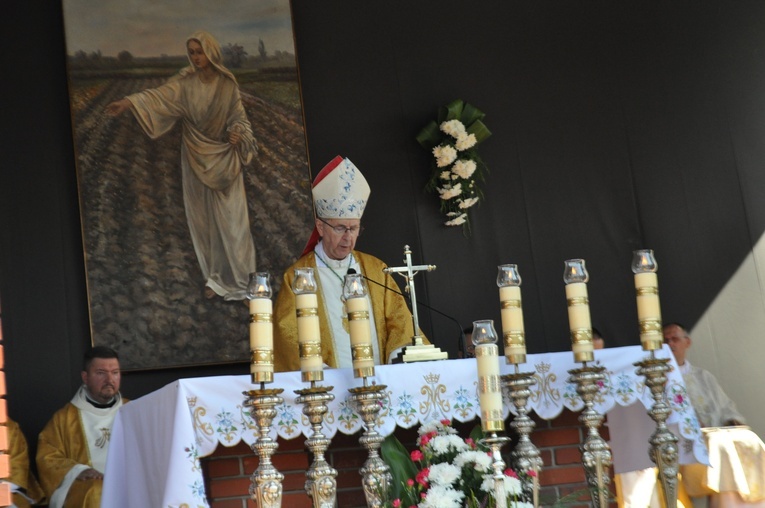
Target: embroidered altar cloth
x=157 y=440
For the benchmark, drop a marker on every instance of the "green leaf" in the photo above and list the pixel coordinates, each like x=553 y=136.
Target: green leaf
x=480 y=130
x=400 y=463
x=429 y=136
x=454 y=110
x=470 y=114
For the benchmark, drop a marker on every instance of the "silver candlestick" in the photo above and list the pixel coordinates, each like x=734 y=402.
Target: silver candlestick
x=320 y=482
x=266 y=481
x=376 y=476
x=664 y=451
x=495 y=443
x=526 y=456
x=596 y=454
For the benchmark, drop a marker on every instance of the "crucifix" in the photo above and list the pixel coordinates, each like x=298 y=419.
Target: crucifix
x=418 y=351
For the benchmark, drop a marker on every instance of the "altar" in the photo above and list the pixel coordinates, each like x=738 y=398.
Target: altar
x=157 y=440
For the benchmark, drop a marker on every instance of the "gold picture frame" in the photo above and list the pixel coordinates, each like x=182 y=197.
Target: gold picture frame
x=148 y=290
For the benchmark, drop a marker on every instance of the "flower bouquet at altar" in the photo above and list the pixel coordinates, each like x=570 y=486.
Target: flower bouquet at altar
x=447 y=471
x=456 y=166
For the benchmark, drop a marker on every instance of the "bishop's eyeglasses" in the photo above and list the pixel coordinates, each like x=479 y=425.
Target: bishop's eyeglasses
x=341 y=230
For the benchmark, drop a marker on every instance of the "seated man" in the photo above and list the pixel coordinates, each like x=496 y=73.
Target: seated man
x=737 y=475
x=72 y=448
x=713 y=407
x=24 y=486
x=340 y=194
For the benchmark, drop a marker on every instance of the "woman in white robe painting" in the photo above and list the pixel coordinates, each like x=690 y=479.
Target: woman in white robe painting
x=217 y=142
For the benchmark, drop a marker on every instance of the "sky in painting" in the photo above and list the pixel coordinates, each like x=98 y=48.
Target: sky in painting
x=157 y=27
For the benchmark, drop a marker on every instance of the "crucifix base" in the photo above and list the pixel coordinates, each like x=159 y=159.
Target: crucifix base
x=419 y=352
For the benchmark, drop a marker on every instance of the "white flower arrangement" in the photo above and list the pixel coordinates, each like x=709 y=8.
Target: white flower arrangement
x=456 y=164
x=446 y=471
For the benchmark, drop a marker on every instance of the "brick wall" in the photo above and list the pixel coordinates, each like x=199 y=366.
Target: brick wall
x=228 y=470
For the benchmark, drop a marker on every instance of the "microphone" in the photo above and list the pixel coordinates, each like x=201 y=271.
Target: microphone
x=352 y=271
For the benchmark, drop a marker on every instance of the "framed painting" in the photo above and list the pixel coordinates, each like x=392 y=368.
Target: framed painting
x=192 y=169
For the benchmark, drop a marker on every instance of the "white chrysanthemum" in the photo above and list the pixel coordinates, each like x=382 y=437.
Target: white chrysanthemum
x=464 y=168
x=442 y=497
x=518 y=504
x=445 y=155
x=443 y=474
x=445 y=175
x=454 y=128
x=450 y=192
x=465 y=141
x=444 y=444
x=467 y=203
x=512 y=485
x=481 y=461
x=457 y=221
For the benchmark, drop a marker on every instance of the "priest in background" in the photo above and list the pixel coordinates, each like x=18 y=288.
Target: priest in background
x=72 y=448
x=340 y=194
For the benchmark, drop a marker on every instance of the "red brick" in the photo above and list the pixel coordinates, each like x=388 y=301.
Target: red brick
x=568 y=455
x=241 y=448
x=351 y=499
x=349 y=458
x=546 y=456
x=290 y=461
x=348 y=478
x=561 y=475
x=234 y=487
x=228 y=503
x=291 y=445
x=217 y=468
x=294 y=481
x=302 y=500
x=555 y=437
x=567 y=418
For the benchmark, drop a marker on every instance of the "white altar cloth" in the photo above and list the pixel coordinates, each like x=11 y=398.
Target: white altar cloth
x=157 y=440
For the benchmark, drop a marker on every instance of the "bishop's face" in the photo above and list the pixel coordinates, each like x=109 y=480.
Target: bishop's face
x=338 y=244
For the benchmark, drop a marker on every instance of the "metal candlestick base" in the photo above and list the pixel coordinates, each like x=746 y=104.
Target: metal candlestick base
x=663 y=442
x=526 y=456
x=495 y=442
x=596 y=454
x=376 y=477
x=266 y=481
x=320 y=482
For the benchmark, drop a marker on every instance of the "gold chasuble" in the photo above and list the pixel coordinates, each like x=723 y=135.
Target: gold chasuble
x=393 y=321
x=64 y=451
x=21 y=475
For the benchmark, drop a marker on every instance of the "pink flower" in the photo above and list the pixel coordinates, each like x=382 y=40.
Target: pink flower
x=679 y=399
x=424 y=440
x=396 y=503
x=410 y=482
x=509 y=472
x=446 y=422
x=532 y=473
x=470 y=443
x=422 y=477
x=416 y=455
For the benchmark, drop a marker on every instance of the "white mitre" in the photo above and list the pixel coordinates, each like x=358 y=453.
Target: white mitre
x=340 y=191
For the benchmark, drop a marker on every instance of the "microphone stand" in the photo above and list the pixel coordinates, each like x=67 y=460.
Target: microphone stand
x=461 y=347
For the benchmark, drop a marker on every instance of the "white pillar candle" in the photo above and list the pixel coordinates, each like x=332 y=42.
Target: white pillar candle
x=309 y=336
x=513 y=330
x=649 y=310
x=579 y=321
x=361 y=336
x=261 y=336
x=489 y=387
